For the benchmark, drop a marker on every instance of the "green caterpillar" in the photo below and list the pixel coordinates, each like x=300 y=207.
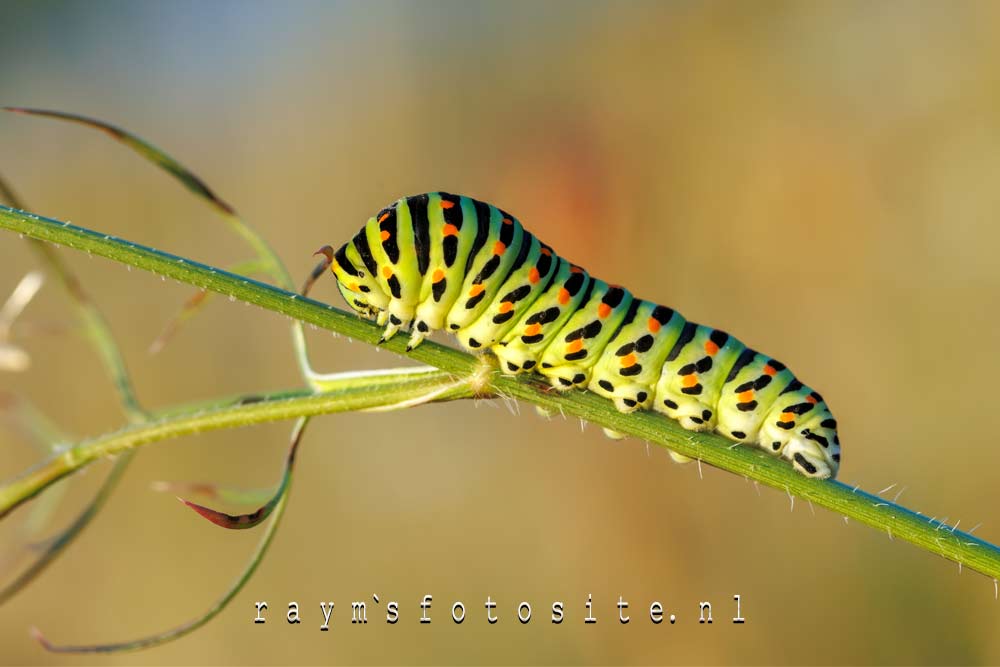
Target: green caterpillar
x=443 y=261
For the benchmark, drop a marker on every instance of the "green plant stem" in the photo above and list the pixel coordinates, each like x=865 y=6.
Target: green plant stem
x=99 y=334
x=895 y=520
x=353 y=392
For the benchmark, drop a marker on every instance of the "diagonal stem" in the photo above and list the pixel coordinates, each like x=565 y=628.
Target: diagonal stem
x=898 y=521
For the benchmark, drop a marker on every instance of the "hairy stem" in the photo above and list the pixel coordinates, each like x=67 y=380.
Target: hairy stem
x=897 y=521
x=353 y=392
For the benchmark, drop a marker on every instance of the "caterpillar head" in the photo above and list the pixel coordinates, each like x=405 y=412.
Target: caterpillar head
x=359 y=288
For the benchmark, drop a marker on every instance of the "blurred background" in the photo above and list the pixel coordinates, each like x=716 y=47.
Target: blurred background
x=820 y=179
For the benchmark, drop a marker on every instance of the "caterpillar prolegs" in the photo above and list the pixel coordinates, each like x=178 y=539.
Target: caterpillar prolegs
x=443 y=261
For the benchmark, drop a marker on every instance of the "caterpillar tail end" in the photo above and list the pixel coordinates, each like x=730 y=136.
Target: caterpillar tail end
x=814 y=452
x=811 y=465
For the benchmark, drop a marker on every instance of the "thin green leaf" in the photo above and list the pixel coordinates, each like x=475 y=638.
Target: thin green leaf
x=220 y=604
x=99 y=334
x=251 y=519
x=356 y=391
x=225 y=494
x=147 y=150
x=271 y=263
x=243 y=521
x=31 y=424
x=51 y=549
x=24 y=418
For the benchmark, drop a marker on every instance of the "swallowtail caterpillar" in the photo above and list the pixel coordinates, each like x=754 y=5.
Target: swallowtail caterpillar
x=443 y=261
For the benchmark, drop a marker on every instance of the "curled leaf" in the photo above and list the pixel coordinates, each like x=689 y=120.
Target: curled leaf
x=251 y=519
x=231 y=521
x=220 y=604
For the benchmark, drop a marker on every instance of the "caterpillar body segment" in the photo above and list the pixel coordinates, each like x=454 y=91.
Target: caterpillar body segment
x=443 y=261
x=638 y=352
x=573 y=351
x=522 y=347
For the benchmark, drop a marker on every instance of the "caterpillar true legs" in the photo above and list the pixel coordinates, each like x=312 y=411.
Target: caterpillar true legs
x=442 y=261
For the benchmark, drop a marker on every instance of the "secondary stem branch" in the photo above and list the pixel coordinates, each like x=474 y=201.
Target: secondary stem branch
x=355 y=392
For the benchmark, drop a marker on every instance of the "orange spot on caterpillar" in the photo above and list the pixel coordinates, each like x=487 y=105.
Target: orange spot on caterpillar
x=353 y=287
x=505 y=307
x=653 y=325
x=546 y=252
x=745 y=396
x=449 y=230
x=575 y=269
x=603 y=310
x=499 y=248
x=770 y=370
x=385 y=235
x=711 y=349
x=563 y=296
x=690 y=380
x=477 y=290
x=387 y=272
x=382 y=217
x=811 y=399
x=629 y=360
x=533 y=276
x=438 y=275
x=508 y=221
x=787 y=417
x=532 y=329
x=575 y=346
x=447 y=204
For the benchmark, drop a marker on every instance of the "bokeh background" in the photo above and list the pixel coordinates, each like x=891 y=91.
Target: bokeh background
x=822 y=179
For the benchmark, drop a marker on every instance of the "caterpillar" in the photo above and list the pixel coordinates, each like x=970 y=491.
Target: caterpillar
x=442 y=261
